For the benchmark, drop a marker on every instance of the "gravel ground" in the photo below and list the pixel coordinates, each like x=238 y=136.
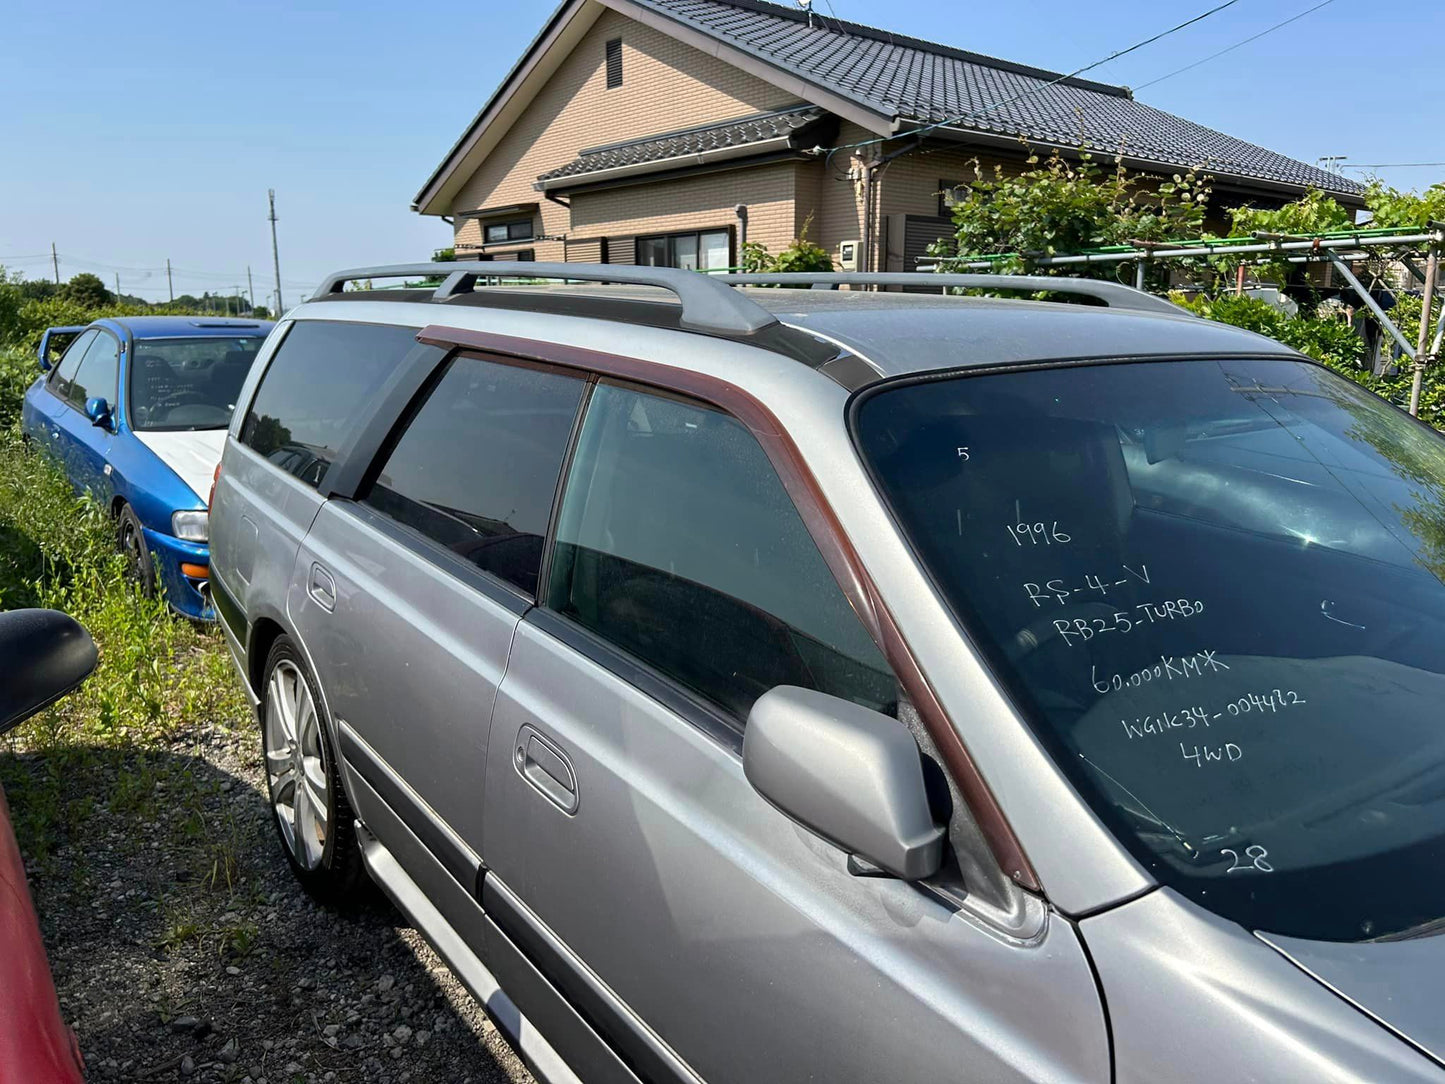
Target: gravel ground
x=183 y=949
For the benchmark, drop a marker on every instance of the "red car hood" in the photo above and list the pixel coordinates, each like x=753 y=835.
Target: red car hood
x=35 y=1045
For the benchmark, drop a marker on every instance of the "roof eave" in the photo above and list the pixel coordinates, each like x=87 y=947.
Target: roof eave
x=1151 y=165
x=426 y=199
x=659 y=165
x=807 y=90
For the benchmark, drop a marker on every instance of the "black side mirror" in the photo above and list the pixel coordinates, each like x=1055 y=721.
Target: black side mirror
x=44 y=654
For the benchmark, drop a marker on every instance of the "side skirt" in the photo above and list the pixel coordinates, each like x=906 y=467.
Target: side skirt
x=544 y=1062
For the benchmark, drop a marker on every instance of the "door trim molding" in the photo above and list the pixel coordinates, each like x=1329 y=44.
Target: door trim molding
x=445 y=845
x=646 y=1052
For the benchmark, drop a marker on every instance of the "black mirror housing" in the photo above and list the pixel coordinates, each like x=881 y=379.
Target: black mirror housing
x=846 y=773
x=44 y=654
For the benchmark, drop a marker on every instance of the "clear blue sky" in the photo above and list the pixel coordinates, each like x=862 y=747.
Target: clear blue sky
x=134 y=133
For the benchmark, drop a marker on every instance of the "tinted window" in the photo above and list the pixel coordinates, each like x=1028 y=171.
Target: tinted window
x=314 y=389
x=678 y=543
x=476 y=467
x=98 y=373
x=189 y=383
x=1215 y=590
x=64 y=373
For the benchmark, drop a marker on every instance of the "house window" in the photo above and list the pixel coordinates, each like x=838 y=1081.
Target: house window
x=705 y=250
x=502 y=232
x=949 y=193
x=614 y=63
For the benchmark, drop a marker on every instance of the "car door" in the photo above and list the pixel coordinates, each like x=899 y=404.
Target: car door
x=85 y=446
x=408 y=595
x=50 y=404
x=630 y=861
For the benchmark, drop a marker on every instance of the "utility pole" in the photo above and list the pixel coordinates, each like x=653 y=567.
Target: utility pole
x=171 y=286
x=275 y=257
x=117 y=285
x=54 y=259
x=251 y=289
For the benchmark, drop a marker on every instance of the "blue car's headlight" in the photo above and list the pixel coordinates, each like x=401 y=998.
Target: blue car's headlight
x=191 y=526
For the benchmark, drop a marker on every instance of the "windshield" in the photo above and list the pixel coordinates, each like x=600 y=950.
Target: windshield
x=1215 y=590
x=188 y=383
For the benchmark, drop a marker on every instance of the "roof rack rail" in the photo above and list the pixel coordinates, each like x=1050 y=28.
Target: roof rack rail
x=708 y=304
x=1113 y=294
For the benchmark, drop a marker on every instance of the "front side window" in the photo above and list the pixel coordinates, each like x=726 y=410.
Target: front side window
x=64 y=373
x=98 y=373
x=677 y=542
x=314 y=389
x=184 y=384
x=476 y=467
x=1216 y=590
x=709 y=250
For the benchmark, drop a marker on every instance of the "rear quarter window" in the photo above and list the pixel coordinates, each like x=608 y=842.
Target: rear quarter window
x=314 y=391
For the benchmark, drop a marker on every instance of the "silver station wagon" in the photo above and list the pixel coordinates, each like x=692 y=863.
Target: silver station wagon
x=738 y=683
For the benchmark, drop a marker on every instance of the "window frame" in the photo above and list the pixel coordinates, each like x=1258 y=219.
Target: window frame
x=113 y=399
x=821 y=523
x=670 y=240
x=380 y=446
x=267 y=356
x=528 y=224
x=52 y=378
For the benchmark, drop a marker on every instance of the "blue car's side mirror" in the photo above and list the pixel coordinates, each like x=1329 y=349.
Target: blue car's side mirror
x=98 y=411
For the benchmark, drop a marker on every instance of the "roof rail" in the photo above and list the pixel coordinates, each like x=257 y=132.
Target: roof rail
x=708 y=304
x=1113 y=294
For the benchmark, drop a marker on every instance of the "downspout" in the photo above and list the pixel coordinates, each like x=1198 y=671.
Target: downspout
x=870 y=196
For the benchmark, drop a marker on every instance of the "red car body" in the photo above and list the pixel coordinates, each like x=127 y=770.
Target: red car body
x=35 y=1045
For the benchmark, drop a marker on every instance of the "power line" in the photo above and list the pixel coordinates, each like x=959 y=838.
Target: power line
x=924 y=129
x=1397 y=165
x=1236 y=45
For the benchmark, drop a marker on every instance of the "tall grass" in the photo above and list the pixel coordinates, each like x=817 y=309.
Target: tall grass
x=158 y=673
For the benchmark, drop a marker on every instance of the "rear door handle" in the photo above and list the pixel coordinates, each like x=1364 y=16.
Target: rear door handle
x=541 y=763
x=322 y=588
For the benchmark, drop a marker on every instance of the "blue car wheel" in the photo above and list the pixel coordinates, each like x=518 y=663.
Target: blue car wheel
x=139 y=567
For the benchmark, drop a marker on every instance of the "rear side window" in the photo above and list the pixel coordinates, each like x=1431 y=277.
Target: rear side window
x=99 y=372
x=476 y=467
x=678 y=543
x=315 y=389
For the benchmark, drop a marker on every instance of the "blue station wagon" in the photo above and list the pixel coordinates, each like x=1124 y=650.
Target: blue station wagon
x=135 y=411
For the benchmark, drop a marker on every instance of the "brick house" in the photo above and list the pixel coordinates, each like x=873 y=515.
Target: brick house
x=669 y=131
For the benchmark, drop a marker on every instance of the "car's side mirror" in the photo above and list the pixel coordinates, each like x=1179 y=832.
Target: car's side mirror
x=851 y=775
x=98 y=411
x=44 y=654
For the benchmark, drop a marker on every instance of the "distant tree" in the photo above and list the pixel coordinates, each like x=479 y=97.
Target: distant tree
x=261 y=312
x=87 y=290
x=37 y=289
x=444 y=255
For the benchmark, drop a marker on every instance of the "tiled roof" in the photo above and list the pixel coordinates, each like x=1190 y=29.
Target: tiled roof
x=914 y=80
x=691 y=141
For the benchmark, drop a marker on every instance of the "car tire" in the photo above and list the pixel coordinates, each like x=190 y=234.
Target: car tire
x=131 y=540
x=302 y=777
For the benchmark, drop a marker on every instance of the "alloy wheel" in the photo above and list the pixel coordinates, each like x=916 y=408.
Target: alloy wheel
x=296 y=768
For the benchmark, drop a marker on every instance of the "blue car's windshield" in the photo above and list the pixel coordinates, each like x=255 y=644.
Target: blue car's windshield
x=1215 y=589
x=188 y=383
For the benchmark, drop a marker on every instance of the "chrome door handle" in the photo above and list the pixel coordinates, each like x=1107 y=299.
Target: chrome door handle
x=322 y=588
x=542 y=764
